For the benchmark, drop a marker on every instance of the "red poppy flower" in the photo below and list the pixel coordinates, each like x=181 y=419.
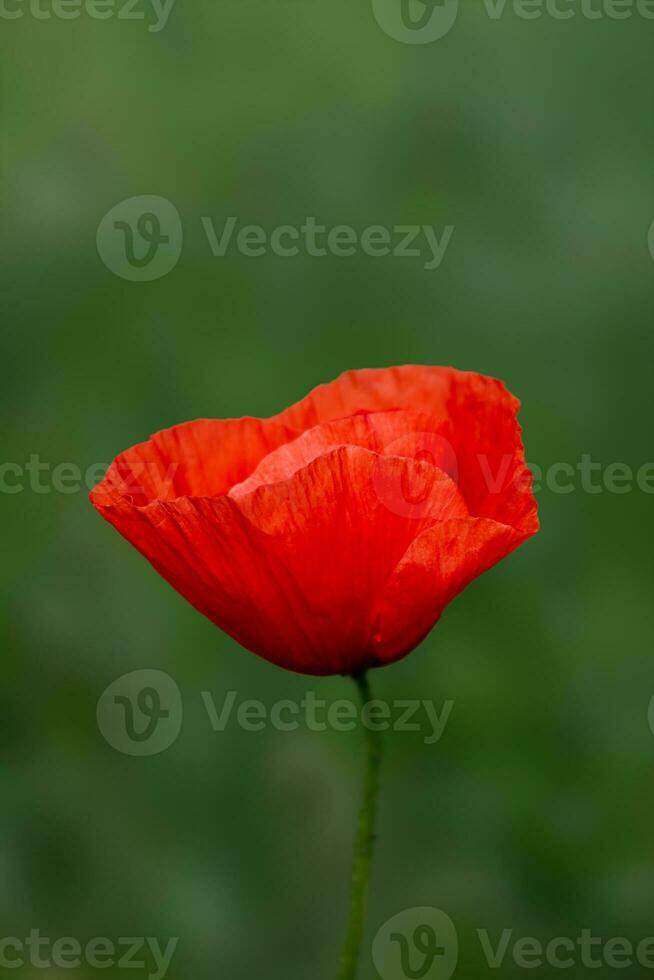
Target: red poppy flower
x=330 y=538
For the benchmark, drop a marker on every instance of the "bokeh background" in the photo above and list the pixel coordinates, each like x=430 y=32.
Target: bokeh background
x=534 y=139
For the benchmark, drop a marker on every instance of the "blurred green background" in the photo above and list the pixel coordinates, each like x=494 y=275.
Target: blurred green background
x=534 y=139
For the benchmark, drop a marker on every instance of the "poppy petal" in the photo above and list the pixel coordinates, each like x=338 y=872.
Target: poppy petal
x=201 y=459
x=477 y=414
x=411 y=387
x=397 y=433
x=437 y=565
x=293 y=570
x=331 y=536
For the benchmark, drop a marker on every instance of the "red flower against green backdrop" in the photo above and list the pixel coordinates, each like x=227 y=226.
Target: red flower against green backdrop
x=329 y=538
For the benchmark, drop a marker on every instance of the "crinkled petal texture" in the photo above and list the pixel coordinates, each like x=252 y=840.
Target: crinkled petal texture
x=330 y=538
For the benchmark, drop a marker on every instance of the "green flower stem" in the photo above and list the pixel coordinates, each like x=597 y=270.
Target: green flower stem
x=364 y=847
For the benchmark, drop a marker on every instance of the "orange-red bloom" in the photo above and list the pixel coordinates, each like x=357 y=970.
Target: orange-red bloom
x=330 y=538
